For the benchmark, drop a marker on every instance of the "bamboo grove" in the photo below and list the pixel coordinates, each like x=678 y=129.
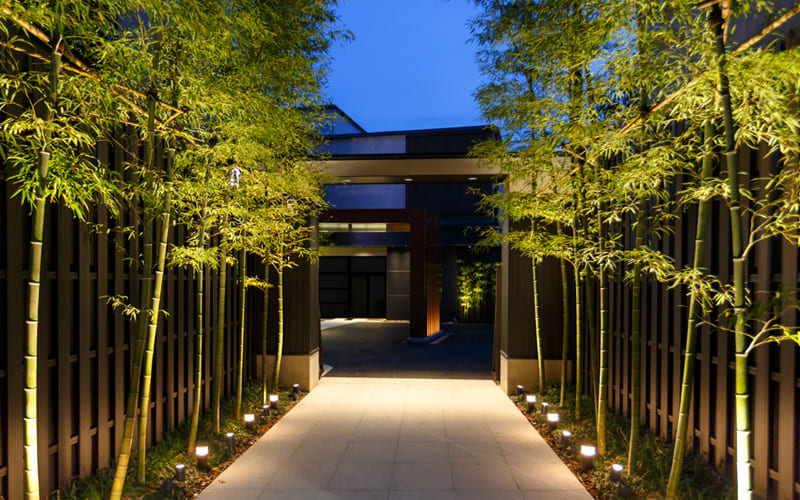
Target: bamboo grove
x=225 y=93
x=603 y=106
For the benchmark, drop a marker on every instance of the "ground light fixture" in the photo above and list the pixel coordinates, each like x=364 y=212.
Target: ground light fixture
x=295 y=391
x=565 y=437
x=229 y=439
x=588 y=452
x=615 y=474
x=544 y=407
x=531 y=399
x=273 y=401
x=265 y=412
x=201 y=453
x=552 y=421
x=249 y=421
x=520 y=390
x=180 y=473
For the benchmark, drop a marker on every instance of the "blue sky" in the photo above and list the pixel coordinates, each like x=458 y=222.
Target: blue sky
x=410 y=65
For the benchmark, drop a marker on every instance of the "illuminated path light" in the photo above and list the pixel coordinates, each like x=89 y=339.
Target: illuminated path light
x=350 y=437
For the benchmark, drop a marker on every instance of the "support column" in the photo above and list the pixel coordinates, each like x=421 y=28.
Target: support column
x=515 y=324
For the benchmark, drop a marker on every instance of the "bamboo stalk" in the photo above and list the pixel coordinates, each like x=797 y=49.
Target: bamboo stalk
x=31 y=431
x=602 y=383
x=145 y=288
x=198 y=365
x=216 y=386
x=155 y=312
x=144 y=396
x=279 y=353
x=564 y=323
x=578 y=361
x=242 y=310
x=537 y=322
x=264 y=338
x=743 y=452
x=636 y=341
x=703 y=214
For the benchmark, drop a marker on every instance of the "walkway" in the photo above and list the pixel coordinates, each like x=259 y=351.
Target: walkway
x=399 y=439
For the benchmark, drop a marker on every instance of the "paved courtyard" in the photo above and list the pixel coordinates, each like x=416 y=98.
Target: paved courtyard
x=400 y=439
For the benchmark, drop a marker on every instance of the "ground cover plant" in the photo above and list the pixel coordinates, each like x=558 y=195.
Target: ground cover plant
x=160 y=480
x=700 y=481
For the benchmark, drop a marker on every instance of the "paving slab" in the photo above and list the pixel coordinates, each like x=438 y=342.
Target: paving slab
x=392 y=439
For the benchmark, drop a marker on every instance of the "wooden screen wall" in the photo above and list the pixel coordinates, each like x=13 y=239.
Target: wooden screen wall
x=774 y=369
x=84 y=347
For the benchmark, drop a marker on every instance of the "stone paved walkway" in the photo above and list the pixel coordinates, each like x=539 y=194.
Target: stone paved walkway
x=400 y=439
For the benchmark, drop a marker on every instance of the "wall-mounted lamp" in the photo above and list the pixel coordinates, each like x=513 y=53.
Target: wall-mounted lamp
x=531 y=399
x=587 y=456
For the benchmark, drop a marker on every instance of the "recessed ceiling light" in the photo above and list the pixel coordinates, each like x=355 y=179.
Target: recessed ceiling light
x=347 y=180
x=472 y=178
x=408 y=179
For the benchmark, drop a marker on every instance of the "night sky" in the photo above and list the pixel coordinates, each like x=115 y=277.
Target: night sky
x=410 y=66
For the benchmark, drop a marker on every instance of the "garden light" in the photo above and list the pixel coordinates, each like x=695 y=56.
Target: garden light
x=265 y=412
x=229 y=439
x=201 y=452
x=552 y=421
x=273 y=401
x=295 y=391
x=544 y=407
x=180 y=473
x=520 y=390
x=615 y=474
x=531 y=398
x=565 y=437
x=249 y=421
x=587 y=456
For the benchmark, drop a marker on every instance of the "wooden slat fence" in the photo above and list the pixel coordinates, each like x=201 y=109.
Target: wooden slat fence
x=84 y=348
x=774 y=369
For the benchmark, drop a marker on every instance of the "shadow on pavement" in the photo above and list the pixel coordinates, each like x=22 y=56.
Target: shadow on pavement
x=377 y=349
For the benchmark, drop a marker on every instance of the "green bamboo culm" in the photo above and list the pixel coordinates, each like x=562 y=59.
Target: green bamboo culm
x=564 y=322
x=31 y=441
x=155 y=312
x=242 y=310
x=276 y=373
x=636 y=340
x=539 y=353
x=145 y=289
x=743 y=482
x=198 y=363
x=200 y=306
x=602 y=383
x=216 y=386
x=703 y=215
x=144 y=396
x=264 y=339
x=578 y=305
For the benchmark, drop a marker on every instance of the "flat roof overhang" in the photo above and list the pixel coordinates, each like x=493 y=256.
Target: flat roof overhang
x=397 y=170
